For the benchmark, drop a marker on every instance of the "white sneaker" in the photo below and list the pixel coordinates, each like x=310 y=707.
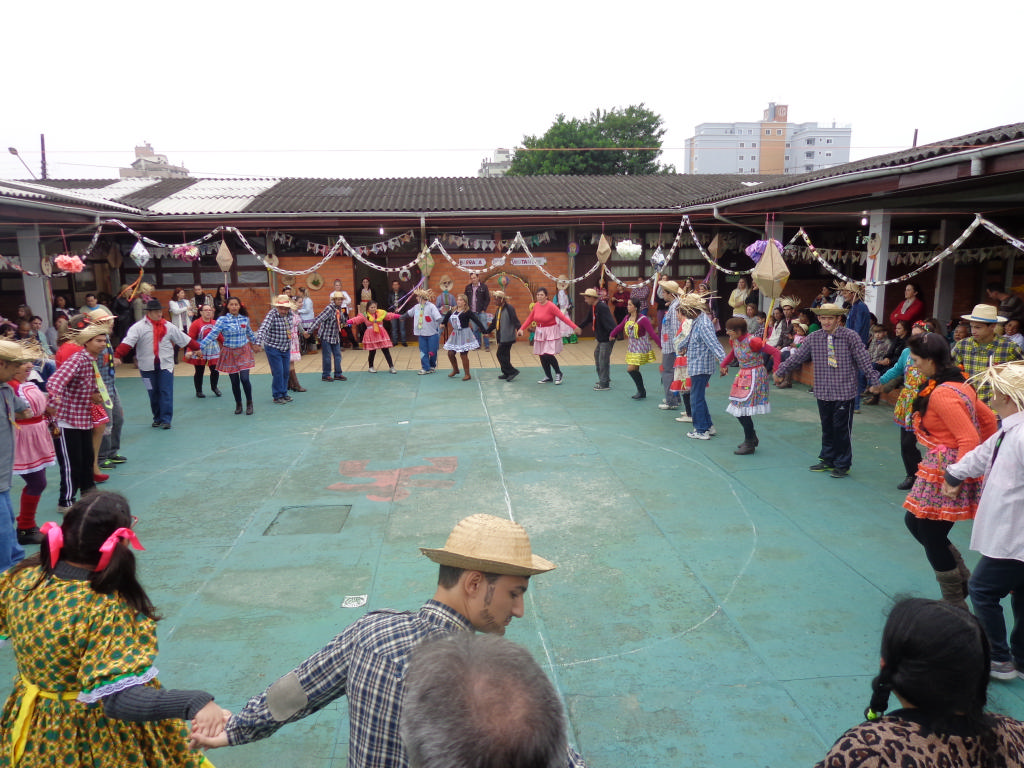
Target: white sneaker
x=422 y=373
x=545 y=381
x=698 y=435
x=712 y=430
x=371 y=369
x=558 y=378
x=392 y=371
x=666 y=407
x=684 y=418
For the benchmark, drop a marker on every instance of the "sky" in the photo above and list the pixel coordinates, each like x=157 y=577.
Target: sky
x=397 y=89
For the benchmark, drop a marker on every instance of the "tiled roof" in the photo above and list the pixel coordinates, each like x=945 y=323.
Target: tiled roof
x=1001 y=135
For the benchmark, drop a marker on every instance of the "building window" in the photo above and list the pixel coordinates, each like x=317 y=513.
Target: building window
x=778 y=131
x=809 y=142
x=740 y=157
x=767 y=131
x=809 y=155
x=787 y=145
x=828 y=154
x=750 y=131
x=787 y=158
x=753 y=144
x=828 y=141
x=742 y=144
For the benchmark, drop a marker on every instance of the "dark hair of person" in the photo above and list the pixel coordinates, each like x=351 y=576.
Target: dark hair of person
x=995 y=287
x=879 y=328
x=810 y=314
x=543 y=290
x=917 y=289
x=736 y=324
x=934 y=324
x=448 y=576
x=936 y=657
x=87 y=525
x=906 y=326
x=932 y=346
x=482 y=701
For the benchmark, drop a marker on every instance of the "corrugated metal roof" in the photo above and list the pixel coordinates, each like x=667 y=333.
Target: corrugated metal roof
x=213 y=196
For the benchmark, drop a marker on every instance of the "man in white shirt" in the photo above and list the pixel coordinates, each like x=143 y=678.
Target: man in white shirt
x=998 y=532
x=153 y=339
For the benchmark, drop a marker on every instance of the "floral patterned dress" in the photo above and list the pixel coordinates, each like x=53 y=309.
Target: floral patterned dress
x=74 y=646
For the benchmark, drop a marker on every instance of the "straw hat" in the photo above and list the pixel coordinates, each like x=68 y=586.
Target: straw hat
x=337 y=295
x=100 y=316
x=424 y=293
x=1006 y=378
x=984 y=313
x=857 y=289
x=562 y=282
x=445 y=283
x=490 y=544
x=830 y=310
x=21 y=352
x=282 y=300
x=498 y=294
x=789 y=301
x=694 y=302
x=91 y=331
x=592 y=293
x=670 y=286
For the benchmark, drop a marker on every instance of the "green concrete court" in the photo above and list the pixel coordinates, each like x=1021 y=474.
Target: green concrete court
x=708 y=609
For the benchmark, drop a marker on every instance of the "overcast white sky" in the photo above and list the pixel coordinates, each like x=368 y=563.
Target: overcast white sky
x=385 y=89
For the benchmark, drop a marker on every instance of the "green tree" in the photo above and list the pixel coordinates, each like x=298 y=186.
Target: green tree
x=617 y=142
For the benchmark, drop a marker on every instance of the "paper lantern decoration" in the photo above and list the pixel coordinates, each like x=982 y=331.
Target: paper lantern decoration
x=771 y=272
x=140 y=255
x=627 y=249
x=68 y=263
x=715 y=248
x=224 y=257
x=426 y=261
x=604 y=249
x=658 y=260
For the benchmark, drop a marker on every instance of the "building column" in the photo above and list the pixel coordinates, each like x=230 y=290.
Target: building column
x=37 y=289
x=945 y=279
x=879 y=224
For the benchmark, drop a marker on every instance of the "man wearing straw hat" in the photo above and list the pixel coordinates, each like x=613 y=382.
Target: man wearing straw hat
x=984 y=349
x=12 y=357
x=154 y=339
x=669 y=328
x=328 y=326
x=426 y=325
x=504 y=325
x=858 y=320
x=603 y=322
x=485 y=569
x=838 y=355
x=998 y=531
x=274 y=336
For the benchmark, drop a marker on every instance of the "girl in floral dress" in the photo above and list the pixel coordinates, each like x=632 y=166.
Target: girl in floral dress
x=639 y=333
x=376 y=336
x=901 y=412
x=461 y=340
x=749 y=395
x=83 y=632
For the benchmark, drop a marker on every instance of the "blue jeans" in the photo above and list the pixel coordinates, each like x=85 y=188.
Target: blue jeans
x=699 y=402
x=328 y=352
x=428 y=352
x=398 y=327
x=160 y=385
x=602 y=361
x=10 y=550
x=279 y=361
x=991 y=581
x=111 y=443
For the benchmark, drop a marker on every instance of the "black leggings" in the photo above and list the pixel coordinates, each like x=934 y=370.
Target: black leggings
x=197 y=377
x=748 y=427
x=387 y=356
x=240 y=381
x=549 y=362
x=933 y=535
x=909 y=451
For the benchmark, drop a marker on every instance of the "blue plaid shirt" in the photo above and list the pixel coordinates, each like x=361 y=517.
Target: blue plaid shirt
x=702 y=348
x=275 y=331
x=835 y=374
x=326 y=323
x=669 y=329
x=236 y=331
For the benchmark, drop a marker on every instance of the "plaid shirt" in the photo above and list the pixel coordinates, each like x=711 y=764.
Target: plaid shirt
x=669 y=328
x=835 y=374
x=701 y=347
x=975 y=358
x=326 y=323
x=275 y=331
x=367 y=662
x=70 y=388
x=235 y=330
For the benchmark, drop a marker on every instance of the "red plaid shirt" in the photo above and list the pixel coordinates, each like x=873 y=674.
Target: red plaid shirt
x=70 y=388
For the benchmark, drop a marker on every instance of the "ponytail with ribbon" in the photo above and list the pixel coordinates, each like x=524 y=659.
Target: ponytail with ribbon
x=54 y=539
x=108 y=546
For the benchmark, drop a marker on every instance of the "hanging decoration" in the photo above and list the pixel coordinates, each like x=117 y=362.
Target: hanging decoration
x=69 y=263
x=140 y=255
x=186 y=252
x=770 y=272
x=757 y=248
x=224 y=257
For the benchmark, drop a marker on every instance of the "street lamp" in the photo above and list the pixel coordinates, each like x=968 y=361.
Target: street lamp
x=14 y=152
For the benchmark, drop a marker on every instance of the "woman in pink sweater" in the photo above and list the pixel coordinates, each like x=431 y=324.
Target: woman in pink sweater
x=547 y=338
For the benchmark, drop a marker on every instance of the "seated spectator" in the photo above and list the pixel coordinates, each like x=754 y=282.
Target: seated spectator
x=902 y=335
x=880 y=349
x=755 y=322
x=481 y=701
x=808 y=318
x=962 y=331
x=935 y=659
x=1012 y=331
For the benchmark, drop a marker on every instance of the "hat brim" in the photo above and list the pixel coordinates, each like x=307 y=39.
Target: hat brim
x=830 y=312
x=976 y=319
x=445 y=556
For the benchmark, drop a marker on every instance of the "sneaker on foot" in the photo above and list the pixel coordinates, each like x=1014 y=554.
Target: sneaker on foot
x=712 y=431
x=821 y=466
x=106 y=464
x=392 y=371
x=837 y=472
x=558 y=378
x=666 y=407
x=511 y=377
x=371 y=369
x=545 y=381
x=117 y=458
x=685 y=418
x=422 y=373
x=1002 y=670
x=698 y=435
x=599 y=388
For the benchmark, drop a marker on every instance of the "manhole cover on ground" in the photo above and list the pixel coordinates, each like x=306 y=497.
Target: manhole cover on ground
x=291 y=521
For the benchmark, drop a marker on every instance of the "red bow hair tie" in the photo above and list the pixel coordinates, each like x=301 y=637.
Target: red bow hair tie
x=108 y=546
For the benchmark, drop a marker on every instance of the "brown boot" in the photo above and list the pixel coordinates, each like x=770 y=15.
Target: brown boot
x=465 y=366
x=744 y=449
x=961 y=567
x=952 y=586
x=455 y=365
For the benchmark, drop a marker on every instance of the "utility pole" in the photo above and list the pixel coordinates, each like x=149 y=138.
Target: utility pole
x=42 y=146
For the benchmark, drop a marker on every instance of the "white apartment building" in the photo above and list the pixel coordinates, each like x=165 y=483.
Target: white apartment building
x=772 y=146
